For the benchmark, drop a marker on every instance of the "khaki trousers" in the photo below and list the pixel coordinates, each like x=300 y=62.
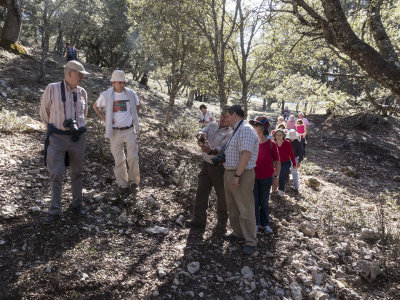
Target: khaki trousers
x=240 y=204
x=210 y=176
x=118 y=140
x=58 y=146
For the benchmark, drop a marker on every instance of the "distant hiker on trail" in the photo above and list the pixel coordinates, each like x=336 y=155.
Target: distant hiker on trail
x=302 y=131
x=70 y=52
x=63 y=109
x=211 y=139
x=291 y=123
x=285 y=113
x=205 y=116
x=121 y=119
x=286 y=157
x=267 y=171
x=298 y=154
x=281 y=121
x=240 y=159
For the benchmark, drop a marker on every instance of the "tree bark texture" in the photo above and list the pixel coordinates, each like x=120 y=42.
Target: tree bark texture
x=13 y=22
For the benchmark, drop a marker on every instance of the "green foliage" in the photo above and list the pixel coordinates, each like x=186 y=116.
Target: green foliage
x=182 y=128
x=15 y=48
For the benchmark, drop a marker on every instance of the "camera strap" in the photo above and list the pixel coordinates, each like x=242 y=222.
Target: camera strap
x=75 y=97
x=227 y=144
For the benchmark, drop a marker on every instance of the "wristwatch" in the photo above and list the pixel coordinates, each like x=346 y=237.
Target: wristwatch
x=276 y=176
x=236 y=175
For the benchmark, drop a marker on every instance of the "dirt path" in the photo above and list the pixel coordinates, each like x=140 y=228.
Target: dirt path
x=114 y=252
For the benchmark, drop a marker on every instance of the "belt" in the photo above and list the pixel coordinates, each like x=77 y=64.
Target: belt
x=123 y=128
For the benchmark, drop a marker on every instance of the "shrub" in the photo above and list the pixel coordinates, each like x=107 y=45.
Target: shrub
x=10 y=122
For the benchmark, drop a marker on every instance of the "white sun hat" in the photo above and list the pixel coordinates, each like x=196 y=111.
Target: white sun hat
x=118 y=75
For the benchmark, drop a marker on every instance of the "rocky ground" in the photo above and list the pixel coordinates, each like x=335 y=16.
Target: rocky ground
x=338 y=239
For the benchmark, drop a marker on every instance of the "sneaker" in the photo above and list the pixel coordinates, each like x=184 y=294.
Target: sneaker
x=232 y=238
x=249 y=250
x=296 y=191
x=51 y=219
x=268 y=229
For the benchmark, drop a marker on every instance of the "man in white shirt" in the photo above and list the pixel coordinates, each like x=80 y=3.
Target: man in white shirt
x=121 y=106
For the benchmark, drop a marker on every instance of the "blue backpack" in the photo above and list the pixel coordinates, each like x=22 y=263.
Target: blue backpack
x=71 y=55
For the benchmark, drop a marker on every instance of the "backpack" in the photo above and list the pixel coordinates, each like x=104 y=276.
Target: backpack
x=71 y=55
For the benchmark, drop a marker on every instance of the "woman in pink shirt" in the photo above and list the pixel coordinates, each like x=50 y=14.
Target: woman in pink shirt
x=302 y=132
x=291 y=123
x=267 y=170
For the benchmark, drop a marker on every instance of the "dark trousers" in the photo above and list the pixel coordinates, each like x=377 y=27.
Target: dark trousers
x=303 y=143
x=262 y=188
x=58 y=146
x=210 y=176
x=285 y=167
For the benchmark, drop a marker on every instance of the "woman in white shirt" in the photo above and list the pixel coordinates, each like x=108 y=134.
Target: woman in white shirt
x=205 y=116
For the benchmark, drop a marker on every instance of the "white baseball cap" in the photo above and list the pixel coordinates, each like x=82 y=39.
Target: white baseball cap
x=76 y=66
x=118 y=75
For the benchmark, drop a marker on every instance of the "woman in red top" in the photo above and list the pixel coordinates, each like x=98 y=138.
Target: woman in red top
x=266 y=170
x=286 y=155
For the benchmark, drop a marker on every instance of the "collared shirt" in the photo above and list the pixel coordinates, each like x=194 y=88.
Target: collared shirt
x=217 y=138
x=52 y=106
x=245 y=139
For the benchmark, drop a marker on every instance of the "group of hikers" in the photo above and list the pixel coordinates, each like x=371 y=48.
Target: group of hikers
x=241 y=160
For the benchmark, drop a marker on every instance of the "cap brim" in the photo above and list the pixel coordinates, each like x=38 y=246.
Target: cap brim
x=84 y=72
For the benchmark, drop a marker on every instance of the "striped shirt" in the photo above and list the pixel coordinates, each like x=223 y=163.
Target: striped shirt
x=52 y=107
x=217 y=137
x=245 y=139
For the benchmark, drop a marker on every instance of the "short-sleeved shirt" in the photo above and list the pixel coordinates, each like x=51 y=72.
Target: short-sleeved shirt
x=267 y=154
x=206 y=117
x=217 y=138
x=245 y=139
x=122 y=114
x=52 y=106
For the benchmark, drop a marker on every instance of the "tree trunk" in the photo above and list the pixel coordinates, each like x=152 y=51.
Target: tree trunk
x=45 y=41
x=172 y=96
x=283 y=105
x=269 y=103
x=189 y=102
x=59 y=45
x=245 y=91
x=13 y=22
x=264 y=106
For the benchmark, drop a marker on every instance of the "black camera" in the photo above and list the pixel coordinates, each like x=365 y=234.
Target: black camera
x=71 y=124
x=219 y=159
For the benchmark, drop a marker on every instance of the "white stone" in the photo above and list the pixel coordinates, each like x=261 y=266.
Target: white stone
x=48 y=269
x=295 y=291
x=34 y=208
x=308 y=228
x=180 y=220
x=123 y=218
x=2 y=242
x=247 y=273
x=156 y=293
x=157 y=230
x=193 y=267
x=317 y=277
x=84 y=276
x=161 y=272
x=369 y=234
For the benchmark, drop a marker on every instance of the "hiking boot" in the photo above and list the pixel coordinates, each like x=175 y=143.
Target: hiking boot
x=134 y=188
x=249 y=250
x=194 y=225
x=232 y=238
x=221 y=225
x=78 y=211
x=281 y=193
x=124 y=192
x=51 y=219
x=296 y=191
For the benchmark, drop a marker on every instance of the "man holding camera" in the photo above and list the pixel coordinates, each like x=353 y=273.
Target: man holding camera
x=121 y=118
x=211 y=140
x=64 y=107
x=240 y=159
